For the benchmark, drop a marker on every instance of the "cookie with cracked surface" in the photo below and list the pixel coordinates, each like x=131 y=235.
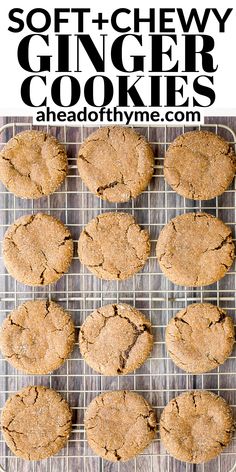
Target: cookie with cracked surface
x=200 y=337
x=116 y=163
x=195 y=249
x=37 y=337
x=199 y=165
x=196 y=426
x=113 y=246
x=33 y=164
x=119 y=425
x=36 y=422
x=37 y=249
x=115 y=339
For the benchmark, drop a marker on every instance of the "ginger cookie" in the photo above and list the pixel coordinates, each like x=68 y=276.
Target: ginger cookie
x=115 y=339
x=37 y=337
x=113 y=246
x=36 y=422
x=195 y=249
x=199 y=165
x=119 y=425
x=33 y=164
x=196 y=426
x=116 y=163
x=200 y=338
x=37 y=249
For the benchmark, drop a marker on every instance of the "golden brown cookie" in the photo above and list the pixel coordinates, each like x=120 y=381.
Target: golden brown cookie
x=199 y=165
x=119 y=425
x=116 y=163
x=200 y=337
x=36 y=422
x=115 y=339
x=195 y=249
x=33 y=164
x=196 y=426
x=113 y=246
x=37 y=337
x=37 y=249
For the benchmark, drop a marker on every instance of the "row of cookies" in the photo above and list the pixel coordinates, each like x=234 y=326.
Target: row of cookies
x=194 y=427
x=193 y=249
x=39 y=335
x=114 y=339
x=117 y=164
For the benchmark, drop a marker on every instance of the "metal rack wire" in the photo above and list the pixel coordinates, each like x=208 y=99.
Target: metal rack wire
x=80 y=292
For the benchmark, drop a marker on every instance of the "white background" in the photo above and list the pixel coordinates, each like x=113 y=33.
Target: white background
x=12 y=75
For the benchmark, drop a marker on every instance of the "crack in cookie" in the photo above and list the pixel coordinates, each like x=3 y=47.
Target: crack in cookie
x=37 y=249
x=33 y=164
x=119 y=425
x=116 y=163
x=41 y=410
x=195 y=249
x=113 y=246
x=196 y=426
x=115 y=339
x=193 y=163
x=37 y=337
x=200 y=338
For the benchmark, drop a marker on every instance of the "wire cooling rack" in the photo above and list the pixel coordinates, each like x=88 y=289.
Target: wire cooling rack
x=79 y=292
